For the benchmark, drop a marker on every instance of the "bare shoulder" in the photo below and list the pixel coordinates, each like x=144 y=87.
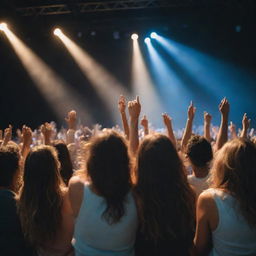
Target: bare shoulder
x=76 y=193
x=207 y=205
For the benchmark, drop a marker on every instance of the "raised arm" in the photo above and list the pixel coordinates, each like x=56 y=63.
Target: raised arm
x=223 y=131
x=7 y=135
x=207 y=126
x=232 y=129
x=188 y=128
x=144 y=123
x=134 y=108
x=168 y=124
x=46 y=130
x=246 y=124
x=71 y=120
x=27 y=141
x=121 y=107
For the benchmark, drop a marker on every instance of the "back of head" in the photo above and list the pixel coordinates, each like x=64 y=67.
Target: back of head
x=108 y=166
x=66 y=168
x=199 y=151
x=41 y=197
x=9 y=164
x=234 y=170
x=165 y=200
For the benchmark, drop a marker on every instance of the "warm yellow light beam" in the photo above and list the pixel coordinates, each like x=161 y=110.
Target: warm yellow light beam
x=3 y=26
x=56 y=91
x=107 y=87
x=143 y=86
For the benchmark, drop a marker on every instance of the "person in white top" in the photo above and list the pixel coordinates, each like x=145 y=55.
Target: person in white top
x=226 y=213
x=199 y=154
x=104 y=207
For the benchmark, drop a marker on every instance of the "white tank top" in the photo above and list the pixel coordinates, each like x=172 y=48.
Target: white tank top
x=233 y=236
x=94 y=236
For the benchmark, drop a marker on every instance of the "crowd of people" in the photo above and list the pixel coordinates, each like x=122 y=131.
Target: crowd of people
x=130 y=191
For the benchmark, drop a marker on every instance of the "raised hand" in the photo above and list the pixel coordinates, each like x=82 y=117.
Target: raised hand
x=71 y=120
x=246 y=122
x=191 y=111
x=122 y=104
x=166 y=119
x=207 y=117
x=144 y=121
x=47 y=130
x=168 y=123
x=7 y=135
x=224 y=107
x=26 y=135
x=134 y=108
x=223 y=131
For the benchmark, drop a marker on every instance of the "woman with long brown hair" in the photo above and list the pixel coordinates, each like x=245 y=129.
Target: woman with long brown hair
x=164 y=199
x=43 y=206
x=104 y=208
x=226 y=213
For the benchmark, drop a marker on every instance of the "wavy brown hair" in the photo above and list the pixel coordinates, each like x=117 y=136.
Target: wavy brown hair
x=164 y=198
x=66 y=167
x=41 y=196
x=108 y=167
x=234 y=170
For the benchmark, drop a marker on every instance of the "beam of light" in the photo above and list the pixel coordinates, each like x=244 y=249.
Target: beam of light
x=107 y=87
x=3 y=27
x=147 y=40
x=153 y=35
x=143 y=86
x=217 y=77
x=168 y=85
x=57 y=93
x=134 y=37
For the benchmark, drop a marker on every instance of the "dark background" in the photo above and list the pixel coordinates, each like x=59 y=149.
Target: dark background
x=222 y=29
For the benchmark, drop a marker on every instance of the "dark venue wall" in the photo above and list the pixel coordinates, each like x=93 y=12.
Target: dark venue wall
x=222 y=31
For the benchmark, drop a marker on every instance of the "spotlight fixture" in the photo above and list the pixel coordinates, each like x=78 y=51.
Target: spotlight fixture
x=153 y=35
x=57 y=32
x=134 y=37
x=3 y=26
x=147 y=40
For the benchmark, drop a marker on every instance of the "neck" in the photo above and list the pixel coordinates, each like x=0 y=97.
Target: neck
x=201 y=172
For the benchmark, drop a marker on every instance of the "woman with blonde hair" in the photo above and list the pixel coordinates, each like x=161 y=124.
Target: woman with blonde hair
x=43 y=206
x=226 y=213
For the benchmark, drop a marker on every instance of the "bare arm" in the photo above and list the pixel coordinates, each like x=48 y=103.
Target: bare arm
x=71 y=120
x=246 y=124
x=46 y=130
x=27 y=140
x=188 y=128
x=232 y=129
x=144 y=123
x=168 y=123
x=7 y=135
x=223 y=131
x=134 y=108
x=121 y=107
x=207 y=126
x=203 y=236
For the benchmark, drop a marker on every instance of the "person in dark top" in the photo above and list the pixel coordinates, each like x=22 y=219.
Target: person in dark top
x=11 y=237
x=165 y=201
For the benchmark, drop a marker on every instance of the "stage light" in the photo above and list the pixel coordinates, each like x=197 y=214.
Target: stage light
x=134 y=37
x=153 y=35
x=3 y=26
x=57 y=32
x=147 y=40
